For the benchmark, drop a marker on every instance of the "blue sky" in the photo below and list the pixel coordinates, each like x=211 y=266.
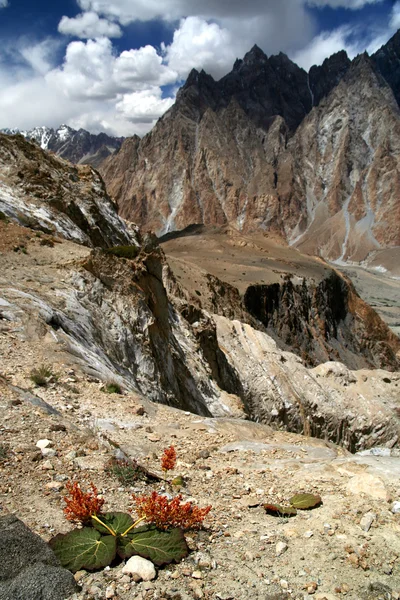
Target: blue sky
x=115 y=65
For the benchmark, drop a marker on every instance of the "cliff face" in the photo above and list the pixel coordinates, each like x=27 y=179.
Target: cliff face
x=47 y=193
x=249 y=151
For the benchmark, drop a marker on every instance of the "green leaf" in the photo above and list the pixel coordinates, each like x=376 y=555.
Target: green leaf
x=84 y=549
x=161 y=547
x=305 y=501
x=277 y=509
x=118 y=522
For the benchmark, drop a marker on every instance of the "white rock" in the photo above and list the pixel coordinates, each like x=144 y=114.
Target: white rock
x=395 y=508
x=48 y=452
x=369 y=485
x=280 y=548
x=141 y=567
x=367 y=521
x=43 y=444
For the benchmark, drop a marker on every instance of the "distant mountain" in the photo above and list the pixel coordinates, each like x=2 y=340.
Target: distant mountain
x=78 y=146
x=311 y=157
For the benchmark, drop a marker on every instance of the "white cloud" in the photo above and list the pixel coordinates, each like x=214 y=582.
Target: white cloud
x=323 y=45
x=89 y=25
x=92 y=71
x=143 y=107
x=201 y=45
x=40 y=56
x=3 y=3
x=395 y=16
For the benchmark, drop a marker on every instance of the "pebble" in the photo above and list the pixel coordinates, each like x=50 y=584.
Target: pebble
x=395 y=508
x=47 y=466
x=48 y=452
x=153 y=437
x=54 y=485
x=141 y=567
x=367 y=521
x=43 y=444
x=110 y=591
x=70 y=455
x=280 y=548
x=308 y=534
x=197 y=575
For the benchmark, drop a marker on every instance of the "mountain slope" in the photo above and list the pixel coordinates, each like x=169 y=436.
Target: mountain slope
x=80 y=147
x=47 y=193
x=249 y=150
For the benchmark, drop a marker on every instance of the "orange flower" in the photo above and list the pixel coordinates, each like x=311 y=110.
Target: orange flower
x=80 y=506
x=166 y=514
x=168 y=459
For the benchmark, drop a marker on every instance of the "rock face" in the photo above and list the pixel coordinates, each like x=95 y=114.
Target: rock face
x=80 y=147
x=28 y=567
x=44 y=192
x=327 y=76
x=250 y=151
x=132 y=322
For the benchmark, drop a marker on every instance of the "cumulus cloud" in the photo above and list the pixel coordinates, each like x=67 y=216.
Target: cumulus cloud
x=92 y=71
x=143 y=107
x=325 y=44
x=89 y=25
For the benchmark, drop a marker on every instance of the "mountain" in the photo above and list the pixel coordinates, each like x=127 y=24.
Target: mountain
x=43 y=192
x=79 y=147
x=312 y=158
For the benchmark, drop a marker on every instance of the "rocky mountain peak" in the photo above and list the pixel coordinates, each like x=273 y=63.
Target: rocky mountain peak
x=325 y=77
x=255 y=56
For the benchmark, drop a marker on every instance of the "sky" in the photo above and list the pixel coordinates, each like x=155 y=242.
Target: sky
x=116 y=65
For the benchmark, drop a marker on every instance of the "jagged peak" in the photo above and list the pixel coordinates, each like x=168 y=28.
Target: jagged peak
x=254 y=55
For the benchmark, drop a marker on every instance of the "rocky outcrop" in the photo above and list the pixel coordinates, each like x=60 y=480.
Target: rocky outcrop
x=249 y=151
x=28 y=567
x=80 y=147
x=327 y=76
x=348 y=151
x=323 y=322
x=46 y=193
x=131 y=322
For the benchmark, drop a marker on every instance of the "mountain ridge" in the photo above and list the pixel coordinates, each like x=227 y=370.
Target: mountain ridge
x=237 y=151
x=78 y=146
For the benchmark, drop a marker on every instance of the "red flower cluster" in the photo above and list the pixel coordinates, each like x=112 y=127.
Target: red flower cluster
x=166 y=514
x=80 y=506
x=168 y=459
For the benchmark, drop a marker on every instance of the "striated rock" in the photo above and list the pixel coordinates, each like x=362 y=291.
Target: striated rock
x=247 y=151
x=46 y=193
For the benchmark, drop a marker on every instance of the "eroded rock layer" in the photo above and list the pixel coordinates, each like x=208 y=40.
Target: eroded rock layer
x=312 y=157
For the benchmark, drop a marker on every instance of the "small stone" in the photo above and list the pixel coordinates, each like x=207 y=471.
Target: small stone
x=58 y=427
x=367 y=521
x=197 y=575
x=280 y=548
x=308 y=534
x=79 y=574
x=70 y=455
x=284 y=584
x=139 y=411
x=203 y=454
x=54 y=485
x=110 y=591
x=153 y=437
x=94 y=591
x=43 y=444
x=47 y=466
x=147 y=585
x=125 y=579
x=48 y=452
x=395 y=508
x=311 y=587
x=141 y=567
x=387 y=569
